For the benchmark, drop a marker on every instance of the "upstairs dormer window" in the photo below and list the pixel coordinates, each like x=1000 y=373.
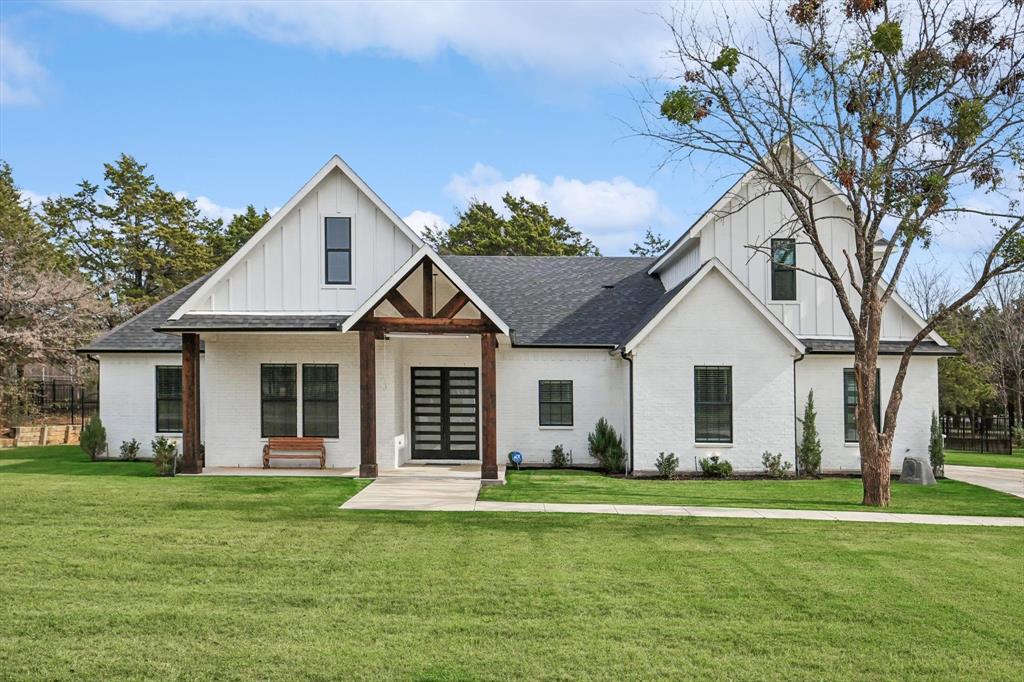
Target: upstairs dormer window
x=337 y=250
x=783 y=269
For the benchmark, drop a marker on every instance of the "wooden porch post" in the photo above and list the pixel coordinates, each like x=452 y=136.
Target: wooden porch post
x=488 y=395
x=367 y=404
x=191 y=437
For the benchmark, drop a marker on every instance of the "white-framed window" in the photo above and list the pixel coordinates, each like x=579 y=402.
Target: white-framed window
x=337 y=250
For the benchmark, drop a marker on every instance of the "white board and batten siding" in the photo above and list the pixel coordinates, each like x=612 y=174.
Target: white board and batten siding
x=284 y=271
x=752 y=221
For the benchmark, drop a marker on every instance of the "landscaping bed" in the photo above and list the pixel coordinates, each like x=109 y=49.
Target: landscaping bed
x=835 y=493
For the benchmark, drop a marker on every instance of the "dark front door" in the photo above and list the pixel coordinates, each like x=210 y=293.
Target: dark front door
x=445 y=413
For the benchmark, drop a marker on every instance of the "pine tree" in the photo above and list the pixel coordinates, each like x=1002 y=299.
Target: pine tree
x=652 y=245
x=810 y=446
x=935 y=451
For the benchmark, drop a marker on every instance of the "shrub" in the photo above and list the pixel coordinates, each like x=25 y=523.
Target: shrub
x=809 y=454
x=667 y=464
x=559 y=457
x=935 y=451
x=93 y=438
x=165 y=456
x=774 y=467
x=606 y=447
x=715 y=467
x=130 y=449
x=1018 y=435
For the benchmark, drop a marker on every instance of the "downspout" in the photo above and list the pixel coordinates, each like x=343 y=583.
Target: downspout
x=796 y=438
x=629 y=358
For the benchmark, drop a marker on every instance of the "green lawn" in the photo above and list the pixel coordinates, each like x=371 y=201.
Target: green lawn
x=948 y=497
x=975 y=459
x=111 y=573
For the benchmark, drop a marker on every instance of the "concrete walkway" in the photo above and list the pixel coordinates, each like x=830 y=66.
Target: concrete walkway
x=1004 y=480
x=452 y=494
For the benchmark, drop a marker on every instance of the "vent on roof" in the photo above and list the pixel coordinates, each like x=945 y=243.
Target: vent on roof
x=607 y=286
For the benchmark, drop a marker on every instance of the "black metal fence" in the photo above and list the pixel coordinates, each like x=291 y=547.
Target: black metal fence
x=978 y=433
x=54 y=398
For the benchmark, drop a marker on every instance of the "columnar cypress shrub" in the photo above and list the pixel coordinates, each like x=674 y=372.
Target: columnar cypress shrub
x=810 y=446
x=93 y=438
x=935 y=451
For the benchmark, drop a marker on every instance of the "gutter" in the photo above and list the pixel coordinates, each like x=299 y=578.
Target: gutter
x=628 y=357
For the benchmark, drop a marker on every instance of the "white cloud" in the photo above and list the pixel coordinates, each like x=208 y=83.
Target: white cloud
x=419 y=220
x=608 y=39
x=35 y=198
x=21 y=75
x=613 y=213
x=211 y=209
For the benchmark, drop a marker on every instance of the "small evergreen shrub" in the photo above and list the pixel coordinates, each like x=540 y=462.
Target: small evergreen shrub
x=559 y=457
x=165 y=456
x=936 y=454
x=667 y=464
x=606 y=447
x=715 y=467
x=130 y=449
x=774 y=467
x=809 y=454
x=93 y=438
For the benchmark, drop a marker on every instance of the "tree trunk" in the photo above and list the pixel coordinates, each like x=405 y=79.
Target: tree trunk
x=875 y=465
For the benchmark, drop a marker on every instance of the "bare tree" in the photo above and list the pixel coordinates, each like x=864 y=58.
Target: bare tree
x=1001 y=339
x=928 y=289
x=900 y=112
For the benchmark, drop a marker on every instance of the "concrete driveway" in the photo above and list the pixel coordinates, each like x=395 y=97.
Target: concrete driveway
x=1004 y=480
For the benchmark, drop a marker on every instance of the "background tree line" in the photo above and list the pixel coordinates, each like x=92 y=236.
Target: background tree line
x=988 y=377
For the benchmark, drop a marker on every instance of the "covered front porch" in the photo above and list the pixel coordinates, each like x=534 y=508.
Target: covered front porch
x=415 y=387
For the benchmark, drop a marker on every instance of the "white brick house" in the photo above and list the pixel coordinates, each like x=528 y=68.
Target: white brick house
x=335 y=321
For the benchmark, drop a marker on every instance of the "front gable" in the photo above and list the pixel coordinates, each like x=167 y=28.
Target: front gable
x=282 y=268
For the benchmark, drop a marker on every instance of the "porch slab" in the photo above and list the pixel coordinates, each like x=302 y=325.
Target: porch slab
x=347 y=472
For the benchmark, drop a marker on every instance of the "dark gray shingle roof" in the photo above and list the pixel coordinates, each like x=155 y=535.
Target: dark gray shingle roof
x=568 y=301
x=255 y=322
x=845 y=346
x=137 y=333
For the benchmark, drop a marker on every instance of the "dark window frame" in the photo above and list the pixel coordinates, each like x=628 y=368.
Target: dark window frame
x=697 y=403
x=305 y=399
x=329 y=250
x=264 y=400
x=783 y=271
x=158 y=399
x=541 y=402
x=850 y=409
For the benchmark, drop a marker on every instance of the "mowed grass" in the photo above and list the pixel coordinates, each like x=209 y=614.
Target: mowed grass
x=948 y=497
x=111 y=573
x=977 y=459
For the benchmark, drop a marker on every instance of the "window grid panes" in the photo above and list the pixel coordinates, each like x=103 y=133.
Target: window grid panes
x=278 y=413
x=320 y=401
x=338 y=250
x=850 y=404
x=168 y=399
x=555 y=403
x=712 y=404
x=783 y=273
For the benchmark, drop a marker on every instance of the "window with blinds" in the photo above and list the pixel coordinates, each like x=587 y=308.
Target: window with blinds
x=783 y=272
x=278 y=407
x=712 y=388
x=850 y=404
x=555 y=403
x=320 y=401
x=168 y=399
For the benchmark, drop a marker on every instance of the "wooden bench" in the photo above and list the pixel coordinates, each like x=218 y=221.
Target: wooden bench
x=300 y=448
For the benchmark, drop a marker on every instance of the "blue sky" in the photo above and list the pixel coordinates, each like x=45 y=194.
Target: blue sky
x=432 y=104
x=223 y=106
